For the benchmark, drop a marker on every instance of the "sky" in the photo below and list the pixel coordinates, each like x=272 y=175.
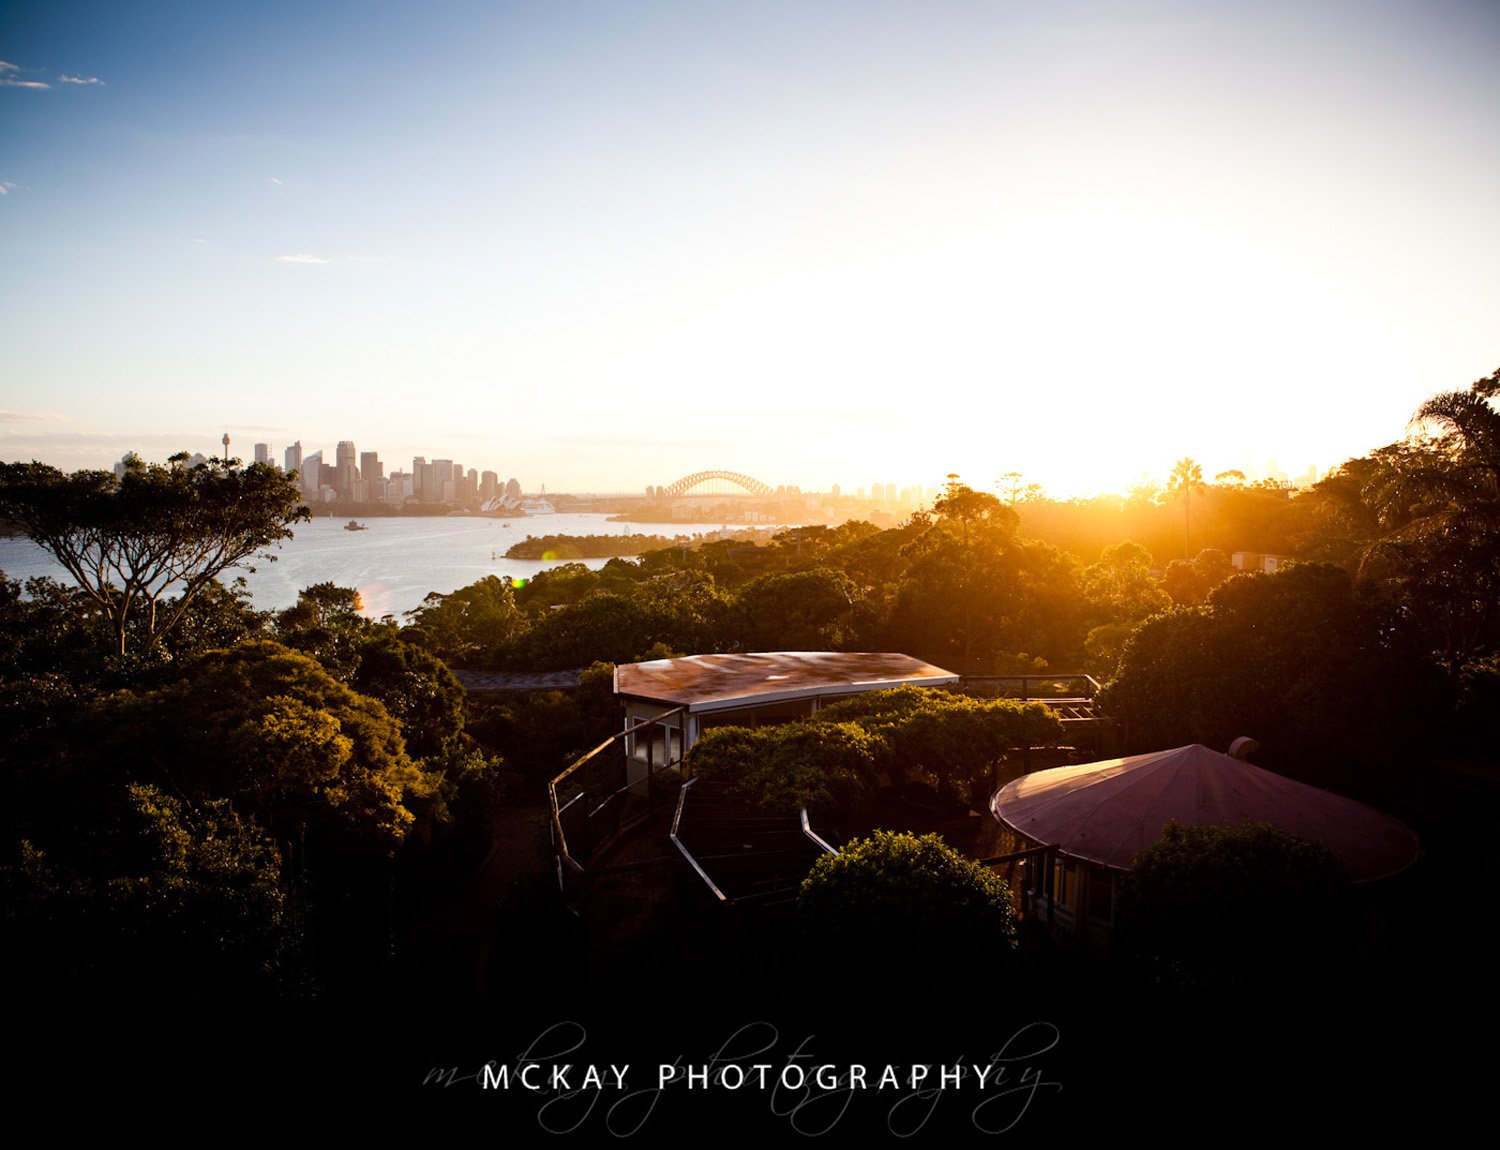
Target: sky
x=603 y=245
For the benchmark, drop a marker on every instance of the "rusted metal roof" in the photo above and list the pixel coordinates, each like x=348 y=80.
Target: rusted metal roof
x=1110 y=811
x=714 y=682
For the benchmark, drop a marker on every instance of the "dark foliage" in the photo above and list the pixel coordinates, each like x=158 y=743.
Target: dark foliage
x=899 y=910
x=1218 y=908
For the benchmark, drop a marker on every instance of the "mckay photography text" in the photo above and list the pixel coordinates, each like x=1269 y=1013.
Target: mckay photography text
x=575 y=1088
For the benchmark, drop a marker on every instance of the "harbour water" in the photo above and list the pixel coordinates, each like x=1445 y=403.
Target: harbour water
x=395 y=563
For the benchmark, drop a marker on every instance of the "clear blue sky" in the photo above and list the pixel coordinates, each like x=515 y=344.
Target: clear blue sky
x=600 y=245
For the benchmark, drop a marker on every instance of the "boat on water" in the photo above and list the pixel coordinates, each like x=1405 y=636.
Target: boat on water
x=355 y=525
x=538 y=507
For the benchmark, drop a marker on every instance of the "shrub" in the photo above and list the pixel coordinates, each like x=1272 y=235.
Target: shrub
x=1221 y=907
x=911 y=899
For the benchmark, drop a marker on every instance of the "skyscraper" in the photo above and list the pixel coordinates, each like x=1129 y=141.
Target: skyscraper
x=345 y=469
x=442 y=477
x=311 y=472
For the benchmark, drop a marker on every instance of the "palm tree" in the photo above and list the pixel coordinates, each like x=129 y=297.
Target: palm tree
x=1474 y=426
x=1437 y=503
x=1186 y=480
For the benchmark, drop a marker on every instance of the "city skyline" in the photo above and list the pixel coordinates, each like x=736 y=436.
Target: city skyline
x=487 y=483
x=1270 y=469
x=804 y=240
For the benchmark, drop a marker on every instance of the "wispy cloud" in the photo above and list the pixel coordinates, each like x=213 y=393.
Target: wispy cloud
x=8 y=77
x=302 y=258
x=274 y=180
x=81 y=80
x=30 y=417
x=5 y=187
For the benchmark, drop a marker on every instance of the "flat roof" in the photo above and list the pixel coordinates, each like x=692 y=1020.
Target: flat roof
x=715 y=682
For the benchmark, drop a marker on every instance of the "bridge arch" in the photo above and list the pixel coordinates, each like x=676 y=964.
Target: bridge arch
x=748 y=483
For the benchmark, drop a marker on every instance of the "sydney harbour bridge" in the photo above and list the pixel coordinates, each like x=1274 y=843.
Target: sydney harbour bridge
x=713 y=483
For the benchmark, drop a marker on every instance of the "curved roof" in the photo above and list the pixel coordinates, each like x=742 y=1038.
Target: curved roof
x=1108 y=812
x=711 y=682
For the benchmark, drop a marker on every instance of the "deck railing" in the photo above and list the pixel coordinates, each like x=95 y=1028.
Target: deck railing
x=595 y=798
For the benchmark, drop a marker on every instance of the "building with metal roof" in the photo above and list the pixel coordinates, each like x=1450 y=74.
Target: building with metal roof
x=669 y=703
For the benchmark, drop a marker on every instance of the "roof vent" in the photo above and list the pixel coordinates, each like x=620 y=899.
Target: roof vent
x=1242 y=748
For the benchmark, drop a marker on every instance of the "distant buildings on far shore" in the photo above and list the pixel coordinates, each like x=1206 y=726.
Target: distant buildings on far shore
x=358 y=478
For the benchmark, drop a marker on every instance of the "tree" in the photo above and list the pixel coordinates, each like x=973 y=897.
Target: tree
x=1328 y=678
x=471 y=623
x=1186 y=480
x=326 y=623
x=1470 y=417
x=1421 y=519
x=272 y=731
x=796 y=611
x=961 y=502
x=975 y=594
x=960 y=594
x=1120 y=587
x=826 y=768
x=1188 y=583
x=925 y=909
x=614 y=628
x=417 y=689
x=952 y=741
x=168 y=901
x=156 y=532
x=1233 y=907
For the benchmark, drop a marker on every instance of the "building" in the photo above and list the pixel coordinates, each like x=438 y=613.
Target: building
x=345 y=469
x=293 y=458
x=442 y=490
x=1095 y=818
x=669 y=703
x=311 y=472
x=1256 y=561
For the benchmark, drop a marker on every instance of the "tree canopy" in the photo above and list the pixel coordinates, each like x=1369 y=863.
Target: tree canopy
x=921 y=906
x=948 y=740
x=1420 y=520
x=825 y=768
x=155 y=533
x=1325 y=675
x=273 y=731
x=831 y=764
x=1224 y=907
